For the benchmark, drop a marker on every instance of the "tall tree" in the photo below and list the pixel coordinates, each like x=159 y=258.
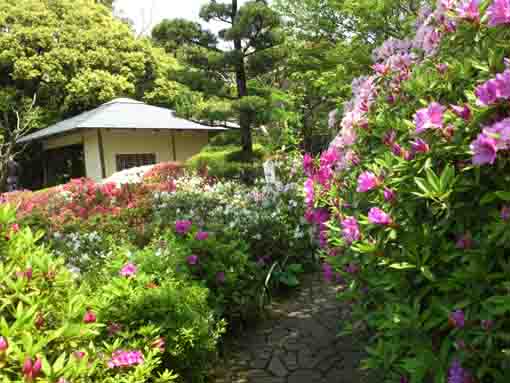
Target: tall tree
x=222 y=67
x=72 y=55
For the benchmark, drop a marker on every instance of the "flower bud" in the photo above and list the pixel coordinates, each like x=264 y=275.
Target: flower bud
x=4 y=345
x=27 y=367
x=36 y=368
x=39 y=321
x=89 y=317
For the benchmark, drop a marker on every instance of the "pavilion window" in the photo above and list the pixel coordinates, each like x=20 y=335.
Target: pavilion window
x=127 y=161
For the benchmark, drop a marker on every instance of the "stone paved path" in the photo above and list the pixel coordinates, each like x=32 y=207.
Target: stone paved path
x=297 y=344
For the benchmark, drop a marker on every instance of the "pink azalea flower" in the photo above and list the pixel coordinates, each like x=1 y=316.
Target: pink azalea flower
x=378 y=217
x=420 y=146
x=202 y=236
x=484 y=150
x=14 y=227
x=192 y=260
x=128 y=270
x=499 y=12
x=389 y=137
x=469 y=10
x=350 y=229
x=183 y=226
x=124 y=359
x=429 y=118
x=500 y=132
x=114 y=328
x=309 y=192
x=442 y=68
x=367 y=181
x=89 y=317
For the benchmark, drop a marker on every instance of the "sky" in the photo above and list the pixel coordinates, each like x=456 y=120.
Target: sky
x=147 y=13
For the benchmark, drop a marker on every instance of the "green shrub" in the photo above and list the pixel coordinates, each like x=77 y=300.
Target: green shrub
x=49 y=322
x=154 y=295
x=223 y=264
x=229 y=162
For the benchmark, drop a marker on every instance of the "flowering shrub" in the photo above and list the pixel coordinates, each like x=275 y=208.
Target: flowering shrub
x=411 y=199
x=50 y=327
x=220 y=262
x=140 y=289
x=164 y=172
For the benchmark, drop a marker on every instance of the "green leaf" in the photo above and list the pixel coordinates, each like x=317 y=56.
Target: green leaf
x=402 y=266
x=504 y=195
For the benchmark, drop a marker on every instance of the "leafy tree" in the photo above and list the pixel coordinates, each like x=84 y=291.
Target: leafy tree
x=329 y=43
x=224 y=68
x=72 y=55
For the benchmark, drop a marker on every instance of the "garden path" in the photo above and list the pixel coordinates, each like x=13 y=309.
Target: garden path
x=297 y=344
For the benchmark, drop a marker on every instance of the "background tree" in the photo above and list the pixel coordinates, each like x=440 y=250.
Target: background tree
x=73 y=55
x=224 y=68
x=329 y=43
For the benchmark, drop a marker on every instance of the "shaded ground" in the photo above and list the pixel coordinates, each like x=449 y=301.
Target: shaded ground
x=297 y=344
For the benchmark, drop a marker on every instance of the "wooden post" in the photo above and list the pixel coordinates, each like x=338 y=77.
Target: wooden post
x=101 y=153
x=173 y=146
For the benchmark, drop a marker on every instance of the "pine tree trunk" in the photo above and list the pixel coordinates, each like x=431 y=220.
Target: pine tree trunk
x=242 y=91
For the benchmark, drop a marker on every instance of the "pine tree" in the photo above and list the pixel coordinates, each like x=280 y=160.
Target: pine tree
x=223 y=66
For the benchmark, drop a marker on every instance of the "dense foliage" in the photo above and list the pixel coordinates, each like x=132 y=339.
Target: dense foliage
x=133 y=278
x=411 y=198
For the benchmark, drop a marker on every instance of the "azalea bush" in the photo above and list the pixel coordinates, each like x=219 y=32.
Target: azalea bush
x=51 y=328
x=411 y=200
x=220 y=262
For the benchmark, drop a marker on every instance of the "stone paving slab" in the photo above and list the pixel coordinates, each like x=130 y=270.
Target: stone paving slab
x=298 y=344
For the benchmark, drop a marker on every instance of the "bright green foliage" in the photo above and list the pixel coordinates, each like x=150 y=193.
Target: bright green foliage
x=223 y=76
x=228 y=161
x=43 y=311
x=72 y=55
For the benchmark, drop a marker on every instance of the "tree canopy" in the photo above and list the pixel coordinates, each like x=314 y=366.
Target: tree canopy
x=72 y=55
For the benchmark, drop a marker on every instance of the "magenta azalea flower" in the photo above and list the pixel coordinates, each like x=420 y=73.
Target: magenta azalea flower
x=463 y=112
x=308 y=164
x=430 y=117
x=4 y=345
x=505 y=213
x=389 y=137
x=484 y=150
x=420 y=146
x=378 y=217
x=487 y=93
x=128 y=270
x=122 y=359
x=487 y=324
x=464 y=242
x=499 y=12
x=352 y=268
x=202 y=236
x=220 y=277
x=327 y=272
x=192 y=260
x=389 y=195
x=350 y=230
x=183 y=226
x=500 y=132
x=367 y=181
x=456 y=374
x=457 y=319
x=469 y=10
